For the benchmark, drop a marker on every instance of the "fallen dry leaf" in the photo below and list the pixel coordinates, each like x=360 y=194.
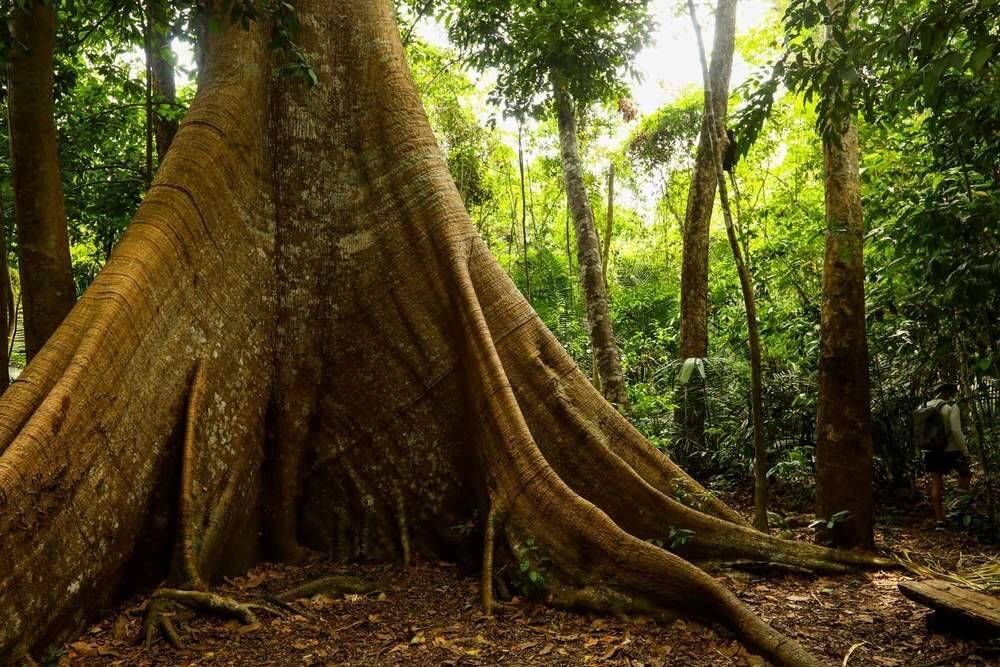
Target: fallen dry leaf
x=84 y=648
x=248 y=629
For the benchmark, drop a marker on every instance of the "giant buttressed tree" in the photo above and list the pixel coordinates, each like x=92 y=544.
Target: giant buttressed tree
x=302 y=337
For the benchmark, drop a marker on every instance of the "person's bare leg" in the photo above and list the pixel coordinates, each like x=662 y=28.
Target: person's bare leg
x=937 y=495
x=965 y=481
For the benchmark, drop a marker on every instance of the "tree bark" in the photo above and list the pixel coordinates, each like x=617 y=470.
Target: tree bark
x=147 y=38
x=588 y=252
x=524 y=213
x=6 y=303
x=161 y=69
x=609 y=224
x=760 y=495
x=39 y=211
x=605 y=258
x=303 y=319
x=697 y=221
x=844 y=448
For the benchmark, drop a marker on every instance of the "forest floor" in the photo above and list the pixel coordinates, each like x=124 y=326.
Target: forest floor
x=429 y=614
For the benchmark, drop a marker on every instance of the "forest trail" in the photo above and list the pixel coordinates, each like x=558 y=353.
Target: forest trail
x=429 y=614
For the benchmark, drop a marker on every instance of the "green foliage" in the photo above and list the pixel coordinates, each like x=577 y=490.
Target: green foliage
x=676 y=538
x=669 y=136
x=531 y=562
x=588 y=44
x=888 y=60
x=450 y=99
x=284 y=24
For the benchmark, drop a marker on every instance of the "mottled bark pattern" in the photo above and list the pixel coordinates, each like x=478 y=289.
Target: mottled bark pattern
x=697 y=220
x=47 y=286
x=844 y=469
x=588 y=253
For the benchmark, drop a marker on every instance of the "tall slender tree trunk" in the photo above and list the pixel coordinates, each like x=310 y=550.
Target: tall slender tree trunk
x=609 y=224
x=6 y=304
x=39 y=211
x=697 y=220
x=844 y=449
x=161 y=70
x=524 y=212
x=147 y=37
x=605 y=258
x=303 y=326
x=746 y=286
x=588 y=252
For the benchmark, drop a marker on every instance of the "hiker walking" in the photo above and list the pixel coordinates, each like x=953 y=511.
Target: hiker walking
x=937 y=430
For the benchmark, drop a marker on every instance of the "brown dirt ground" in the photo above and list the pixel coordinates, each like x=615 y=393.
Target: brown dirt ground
x=429 y=615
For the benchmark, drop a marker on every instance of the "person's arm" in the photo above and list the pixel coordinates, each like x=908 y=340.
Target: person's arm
x=955 y=426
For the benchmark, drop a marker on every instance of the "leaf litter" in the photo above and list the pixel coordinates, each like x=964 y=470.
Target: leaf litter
x=429 y=614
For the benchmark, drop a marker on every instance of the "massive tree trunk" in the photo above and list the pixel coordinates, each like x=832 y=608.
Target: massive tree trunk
x=302 y=318
x=697 y=220
x=588 y=252
x=844 y=449
x=39 y=211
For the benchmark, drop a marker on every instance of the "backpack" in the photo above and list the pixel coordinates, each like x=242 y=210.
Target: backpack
x=929 y=432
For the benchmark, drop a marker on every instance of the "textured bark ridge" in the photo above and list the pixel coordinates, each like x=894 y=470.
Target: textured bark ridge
x=302 y=319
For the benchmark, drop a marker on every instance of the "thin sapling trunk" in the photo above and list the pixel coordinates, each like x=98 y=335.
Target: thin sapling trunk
x=595 y=294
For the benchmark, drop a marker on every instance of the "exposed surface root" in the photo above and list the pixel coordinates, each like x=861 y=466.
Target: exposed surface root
x=164 y=602
x=489 y=544
x=158 y=621
x=762 y=567
x=330 y=586
x=579 y=517
x=404 y=529
x=187 y=554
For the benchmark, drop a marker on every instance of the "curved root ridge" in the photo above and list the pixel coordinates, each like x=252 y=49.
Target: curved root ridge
x=210 y=602
x=158 y=616
x=337 y=585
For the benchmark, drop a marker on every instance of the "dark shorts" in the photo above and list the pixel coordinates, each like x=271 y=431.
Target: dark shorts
x=945 y=462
